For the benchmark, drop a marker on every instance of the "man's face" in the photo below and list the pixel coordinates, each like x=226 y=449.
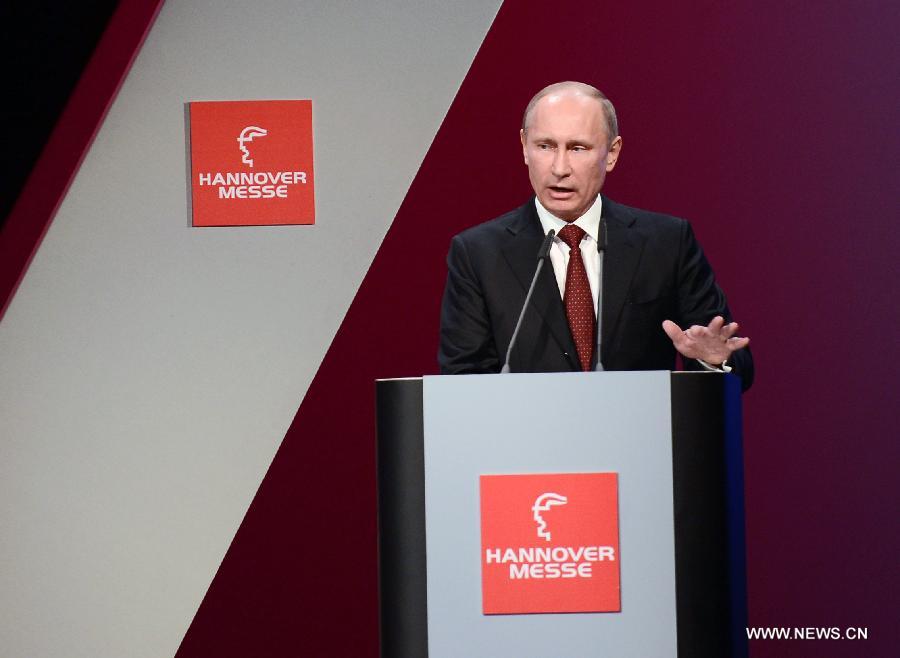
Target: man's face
x=567 y=152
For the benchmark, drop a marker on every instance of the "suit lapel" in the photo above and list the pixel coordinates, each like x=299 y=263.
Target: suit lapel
x=623 y=253
x=520 y=251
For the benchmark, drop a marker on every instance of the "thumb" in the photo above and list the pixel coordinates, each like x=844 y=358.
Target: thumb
x=673 y=331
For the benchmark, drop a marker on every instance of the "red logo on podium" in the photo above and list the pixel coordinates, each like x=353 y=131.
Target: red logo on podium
x=252 y=163
x=550 y=543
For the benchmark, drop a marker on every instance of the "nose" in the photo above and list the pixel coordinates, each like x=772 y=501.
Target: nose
x=560 y=167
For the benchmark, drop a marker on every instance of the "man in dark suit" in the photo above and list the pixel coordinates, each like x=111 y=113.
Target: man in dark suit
x=650 y=281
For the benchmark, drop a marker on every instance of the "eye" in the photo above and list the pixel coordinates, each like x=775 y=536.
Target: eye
x=579 y=149
x=544 y=147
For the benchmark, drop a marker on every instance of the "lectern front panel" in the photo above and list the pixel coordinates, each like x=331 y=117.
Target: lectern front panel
x=556 y=424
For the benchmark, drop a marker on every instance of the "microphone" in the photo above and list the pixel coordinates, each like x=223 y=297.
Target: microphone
x=542 y=255
x=601 y=248
x=544 y=251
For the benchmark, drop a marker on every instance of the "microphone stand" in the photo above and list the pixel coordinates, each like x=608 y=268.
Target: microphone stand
x=542 y=255
x=601 y=248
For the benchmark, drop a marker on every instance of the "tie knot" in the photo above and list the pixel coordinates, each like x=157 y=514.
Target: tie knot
x=571 y=235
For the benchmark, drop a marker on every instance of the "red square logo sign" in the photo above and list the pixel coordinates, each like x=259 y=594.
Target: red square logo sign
x=550 y=543
x=252 y=163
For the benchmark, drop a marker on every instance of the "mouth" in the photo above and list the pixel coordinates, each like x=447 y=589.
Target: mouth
x=560 y=193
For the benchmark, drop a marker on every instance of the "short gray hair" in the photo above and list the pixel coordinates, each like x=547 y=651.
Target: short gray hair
x=609 y=112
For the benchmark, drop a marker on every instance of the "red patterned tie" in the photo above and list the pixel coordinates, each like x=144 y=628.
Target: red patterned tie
x=577 y=298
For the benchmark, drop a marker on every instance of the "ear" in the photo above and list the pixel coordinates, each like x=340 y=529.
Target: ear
x=612 y=156
x=523 y=139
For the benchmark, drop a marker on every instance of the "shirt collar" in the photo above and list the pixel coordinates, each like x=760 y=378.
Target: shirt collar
x=589 y=222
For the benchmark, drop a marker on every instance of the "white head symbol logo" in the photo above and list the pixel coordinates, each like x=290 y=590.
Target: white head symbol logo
x=247 y=135
x=541 y=504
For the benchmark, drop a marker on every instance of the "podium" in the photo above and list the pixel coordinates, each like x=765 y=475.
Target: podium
x=672 y=439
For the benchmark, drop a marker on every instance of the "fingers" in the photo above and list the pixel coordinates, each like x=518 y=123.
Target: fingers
x=696 y=331
x=729 y=330
x=717 y=327
x=735 y=344
x=716 y=323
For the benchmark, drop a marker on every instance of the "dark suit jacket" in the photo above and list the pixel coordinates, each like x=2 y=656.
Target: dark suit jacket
x=653 y=270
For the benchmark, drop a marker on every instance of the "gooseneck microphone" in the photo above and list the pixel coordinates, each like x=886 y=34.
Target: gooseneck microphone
x=542 y=255
x=601 y=249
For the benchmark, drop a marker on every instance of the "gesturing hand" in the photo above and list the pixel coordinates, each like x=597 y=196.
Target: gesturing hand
x=713 y=343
